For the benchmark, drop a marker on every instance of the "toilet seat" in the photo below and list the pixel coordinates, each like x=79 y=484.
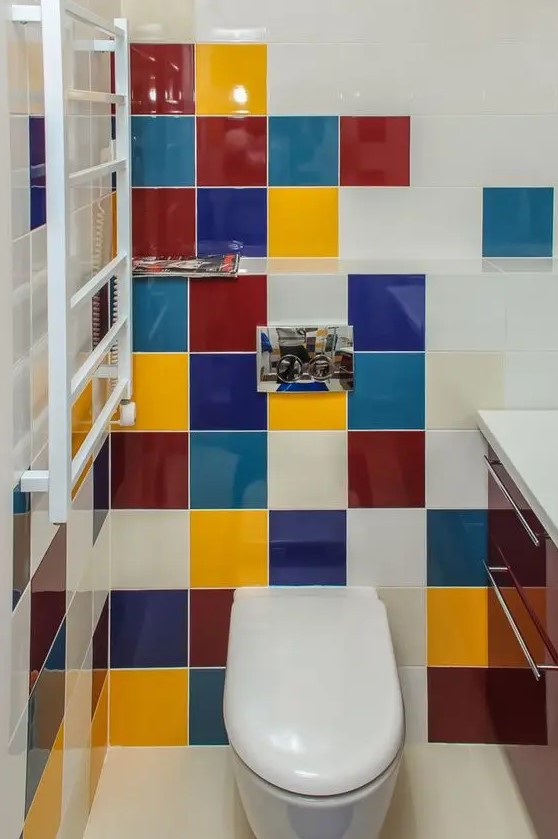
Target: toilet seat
x=312 y=698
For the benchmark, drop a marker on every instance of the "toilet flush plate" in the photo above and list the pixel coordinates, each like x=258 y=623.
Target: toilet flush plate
x=295 y=359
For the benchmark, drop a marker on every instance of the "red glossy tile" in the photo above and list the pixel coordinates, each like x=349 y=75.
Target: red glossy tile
x=48 y=600
x=486 y=705
x=210 y=615
x=149 y=470
x=162 y=78
x=164 y=222
x=375 y=151
x=212 y=329
x=232 y=151
x=386 y=469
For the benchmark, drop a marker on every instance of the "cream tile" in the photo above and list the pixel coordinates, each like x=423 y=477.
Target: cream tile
x=183 y=792
x=386 y=547
x=35 y=78
x=21 y=388
x=456 y=791
x=455 y=470
x=466 y=312
x=17 y=68
x=459 y=385
x=530 y=380
x=77 y=738
x=307 y=299
x=79 y=628
x=532 y=312
x=150 y=20
x=406 y=609
x=307 y=470
x=137 y=559
x=418 y=223
x=39 y=396
x=415 y=697
x=19 y=682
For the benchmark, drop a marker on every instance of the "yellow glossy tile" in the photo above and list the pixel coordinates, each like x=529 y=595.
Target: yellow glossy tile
x=457 y=627
x=148 y=707
x=45 y=813
x=228 y=548
x=307 y=411
x=160 y=392
x=303 y=221
x=231 y=79
x=99 y=740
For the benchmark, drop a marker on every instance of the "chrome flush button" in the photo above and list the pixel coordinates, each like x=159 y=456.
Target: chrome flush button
x=289 y=369
x=321 y=368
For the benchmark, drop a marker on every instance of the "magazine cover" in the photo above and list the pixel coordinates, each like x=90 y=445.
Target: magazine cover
x=223 y=265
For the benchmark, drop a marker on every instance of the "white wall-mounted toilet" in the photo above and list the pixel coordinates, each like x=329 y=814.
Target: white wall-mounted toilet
x=313 y=710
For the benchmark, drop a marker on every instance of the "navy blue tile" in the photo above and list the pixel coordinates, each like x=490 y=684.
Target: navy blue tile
x=304 y=151
x=307 y=547
x=149 y=629
x=387 y=311
x=163 y=151
x=101 y=488
x=160 y=314
x=457 y=545
x=228 y=470
x=37 y=162
x=223 y=395
x=207 y=727
x=232 y=219
x=389 y=392
x=518 y=221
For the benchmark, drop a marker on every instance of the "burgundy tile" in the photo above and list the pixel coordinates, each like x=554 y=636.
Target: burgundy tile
x=162 y=78
x=149 y=470
x=232 y=151
x=212 y=329
x=386 y=469
x=48 y=600
x=164 y=222
x=486 y=705
x=375 y=151
x=210 y=614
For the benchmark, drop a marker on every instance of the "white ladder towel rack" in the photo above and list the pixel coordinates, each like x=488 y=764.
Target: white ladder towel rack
x=65 y=470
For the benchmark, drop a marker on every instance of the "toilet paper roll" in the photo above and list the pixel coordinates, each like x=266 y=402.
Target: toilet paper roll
x=127 y=413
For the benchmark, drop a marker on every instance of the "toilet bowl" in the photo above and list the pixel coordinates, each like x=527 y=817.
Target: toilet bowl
x=313 y=711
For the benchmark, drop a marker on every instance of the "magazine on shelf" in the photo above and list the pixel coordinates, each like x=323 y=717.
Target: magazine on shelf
x=224 y=265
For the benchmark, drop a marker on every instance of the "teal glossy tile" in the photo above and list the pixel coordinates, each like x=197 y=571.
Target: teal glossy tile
x=228 y=470
x=207 y=727
x=160 y=314
x=389 y=392
x=457 y=546
x=518 y=221
x=303 y=151
x=163 y=151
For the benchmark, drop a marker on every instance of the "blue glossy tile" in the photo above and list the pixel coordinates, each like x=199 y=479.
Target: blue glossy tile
x=307 y=547
x=228 y=470
x=37 y=163
x=303 y=151
x=149 y=628
x=232 y=219
x=517 y=221
x=223 y=395
x=207 y=727
x=160 y=314
x=389 y=392
x=101 y=488
x=163 y=151
x=457 y=545
x=387 y=311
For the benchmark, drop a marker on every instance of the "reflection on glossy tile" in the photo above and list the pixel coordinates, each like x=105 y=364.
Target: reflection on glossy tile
x=14 y=785
x=231 y=151
x=389 y=392
x=150 y=470
x=457 y=547
x=303 y=222
x=48 y=599
x=232 y=220
x=148 y=629
x=223 y=394
x=307 y=471
x=212 y=329
x=149 y=707
x=43 y=818
x=307 y=547
x=207 y=727
x=386 y=469
x=100 y=656
x=101 y=488
x=457 y=627
x=231 y=79
x=386 y=547
x=21 y=543
x=387 y=312
x=136 y=539
x=210 y=615
x=517 y=221
x=99 y=739
x=162 y=78
x=304 y=151
x=163 y=222
x=19 y=666
x=161 y=391
x=228 y=470
x=375 y=151
x=37 y=159
x=162 y=151
x=160 y=314
x=228 y=548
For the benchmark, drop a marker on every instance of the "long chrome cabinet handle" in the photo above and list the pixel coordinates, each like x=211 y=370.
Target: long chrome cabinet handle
x=530 y=532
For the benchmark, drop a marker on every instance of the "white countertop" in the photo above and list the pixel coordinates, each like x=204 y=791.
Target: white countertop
x=527 y=444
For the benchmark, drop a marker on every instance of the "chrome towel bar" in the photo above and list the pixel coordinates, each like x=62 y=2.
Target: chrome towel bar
x=501 y=486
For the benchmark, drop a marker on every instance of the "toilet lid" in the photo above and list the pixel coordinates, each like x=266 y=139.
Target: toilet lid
x=312 y=697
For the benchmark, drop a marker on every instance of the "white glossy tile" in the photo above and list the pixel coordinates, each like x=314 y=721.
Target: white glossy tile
x=171 y=22
x=414 y=688
x=459 y=385
x=137 y=559
x=530 y=380
x=466 y=312
x=21 y=636
x=307 y=299
x=307 y=471
x=500 y=150
x=455 y=470
x=79 y=534
x=21 y=385
x=42 y=531
x=39 y=396
x=20 y=175
x=532 y=312
x=406 y=610
x=99 y=570
x=21 y=297
x=386 y=547
x=79 y=627
x=17 y=68
x=514 y=21
x=77 y=735
x=410 y=224
x=35 y=79
x=13 y=789
x=39 y=311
